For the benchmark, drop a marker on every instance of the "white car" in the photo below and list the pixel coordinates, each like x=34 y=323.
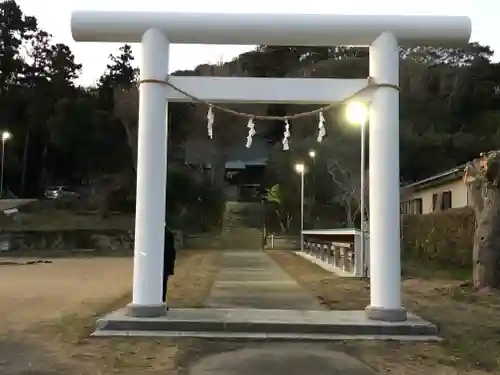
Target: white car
x=61 y=192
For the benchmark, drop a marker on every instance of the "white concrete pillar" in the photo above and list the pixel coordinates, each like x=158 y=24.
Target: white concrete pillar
x=151 y=178
x=385 y=262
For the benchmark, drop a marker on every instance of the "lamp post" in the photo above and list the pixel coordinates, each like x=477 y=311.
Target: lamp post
x=300 y=168
x=312 y=196
x=5 y=137
x=357 y=114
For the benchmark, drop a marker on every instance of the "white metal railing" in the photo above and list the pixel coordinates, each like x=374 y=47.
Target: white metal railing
x=339 y=255
x=342 y=251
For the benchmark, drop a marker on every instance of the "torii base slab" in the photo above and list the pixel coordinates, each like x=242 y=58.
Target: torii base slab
x=266 y=325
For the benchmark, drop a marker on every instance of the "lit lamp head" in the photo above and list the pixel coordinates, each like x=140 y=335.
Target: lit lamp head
x=6 y=136
x=299 y=167
x=356 y=113
x=312 y=154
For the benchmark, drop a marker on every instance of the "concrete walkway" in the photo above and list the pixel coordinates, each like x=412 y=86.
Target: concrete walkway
x=277 y=359
x=251 y=279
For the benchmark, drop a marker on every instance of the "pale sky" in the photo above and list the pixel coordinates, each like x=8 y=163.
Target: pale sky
x=54 y=17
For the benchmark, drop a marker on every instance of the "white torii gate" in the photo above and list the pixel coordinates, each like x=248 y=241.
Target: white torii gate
x=157 y=30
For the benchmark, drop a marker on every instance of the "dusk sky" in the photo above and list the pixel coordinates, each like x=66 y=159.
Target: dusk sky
x=54 y=16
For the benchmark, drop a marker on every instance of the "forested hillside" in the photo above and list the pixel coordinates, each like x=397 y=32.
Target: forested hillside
x=64 y=132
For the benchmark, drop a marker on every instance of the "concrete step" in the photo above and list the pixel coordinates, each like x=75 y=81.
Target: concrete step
x=269 y=322
x=243 y=214
x=241 y=238
x=263 y=336
x=210 y=241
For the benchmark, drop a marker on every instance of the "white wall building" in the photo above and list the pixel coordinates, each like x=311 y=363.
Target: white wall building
x=436 y=193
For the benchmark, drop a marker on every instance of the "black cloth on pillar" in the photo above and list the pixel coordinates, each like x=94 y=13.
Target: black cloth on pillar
x=169 y=254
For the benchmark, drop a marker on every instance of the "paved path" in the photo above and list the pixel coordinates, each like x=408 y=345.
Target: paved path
x=277 y=359
x=251 y=279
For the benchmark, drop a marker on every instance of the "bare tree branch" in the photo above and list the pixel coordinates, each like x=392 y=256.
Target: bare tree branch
x=347 y=178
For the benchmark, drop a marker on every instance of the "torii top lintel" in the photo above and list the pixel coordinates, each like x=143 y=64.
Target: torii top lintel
x=270 y=29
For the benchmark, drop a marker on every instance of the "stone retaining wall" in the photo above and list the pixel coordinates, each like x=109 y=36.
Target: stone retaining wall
x=90 y=240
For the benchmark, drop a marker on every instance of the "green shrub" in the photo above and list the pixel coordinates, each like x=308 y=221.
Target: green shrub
x=443 y=236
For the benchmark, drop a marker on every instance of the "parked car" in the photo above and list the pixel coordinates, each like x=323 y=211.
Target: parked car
x=61 y=192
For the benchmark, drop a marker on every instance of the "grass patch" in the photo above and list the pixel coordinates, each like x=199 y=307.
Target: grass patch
x=73 y=328
x=68 y=336
x=347 y=294
x=468 y=320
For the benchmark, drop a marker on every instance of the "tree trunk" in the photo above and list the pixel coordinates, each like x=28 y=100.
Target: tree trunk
x=483 y=179
x=44 y=175
x=25 y=163
x=131 y=131
x=475 y=197
x=218 y=167
x=288 y=222
x=281 y=221
x=125 y=107
x=486 y=250
x=348 y=214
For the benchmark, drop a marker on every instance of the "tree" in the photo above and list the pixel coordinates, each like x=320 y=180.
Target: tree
x=454 y=57
x=482 y=177
x=449 y=113
x=79 y=131
x=118 y=93
x=48 y=75
x=15 y=29
x=276 y=196
x=342 y=158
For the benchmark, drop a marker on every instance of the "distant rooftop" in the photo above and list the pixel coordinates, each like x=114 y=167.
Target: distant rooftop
x=200 y=151
x=450 y=174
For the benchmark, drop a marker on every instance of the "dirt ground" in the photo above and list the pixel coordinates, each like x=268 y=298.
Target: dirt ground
x=467 y=320
x=48 y=310
x=59 y=288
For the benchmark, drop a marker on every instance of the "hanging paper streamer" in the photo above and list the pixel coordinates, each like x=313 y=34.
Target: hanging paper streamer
x=286 y=135
x=321 y=127
x=210 y=122
x=251 y=132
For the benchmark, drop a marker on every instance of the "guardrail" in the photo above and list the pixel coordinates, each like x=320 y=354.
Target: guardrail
x=282 y=242
x=339 y=255
x=338 y=250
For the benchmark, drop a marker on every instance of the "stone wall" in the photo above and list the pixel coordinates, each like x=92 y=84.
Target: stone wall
x=83 y=240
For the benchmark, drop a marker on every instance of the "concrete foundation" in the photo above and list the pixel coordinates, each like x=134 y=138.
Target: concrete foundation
x=255 y=323
x=387 y=315
x=145 y=311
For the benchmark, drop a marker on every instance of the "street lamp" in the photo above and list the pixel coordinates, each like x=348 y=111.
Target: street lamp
x=5 y=137
x=357 y=114
x=300 y=168
x=312 y=155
